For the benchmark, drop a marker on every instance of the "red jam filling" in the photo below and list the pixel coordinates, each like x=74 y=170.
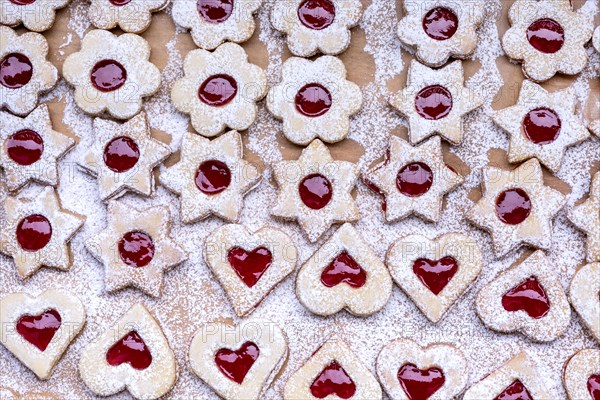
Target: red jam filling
x=119 y=3
x=34 y=232
x=315 y=191
x=313 y=100
x=440 y=23
x=235 y=364
x=593 y=385
x=25 y=147
x=16 y=70
x=39 y=329
x=250 y=266
x=22 y=2
x=542 y=125
x=130 y=349
x=108 y=75
x=333 y=380
x=546 y=35
x=414 y=179
x=215 y=11
x=218 y=90
x=435 y=274
x=528 y=296
x=136 y=249
x=420 y=384
x=513 y=206
x=344 y=269
x=316 y=14
x=433 y=102
x=516 y=391
x=121 y=154
x=213 y=177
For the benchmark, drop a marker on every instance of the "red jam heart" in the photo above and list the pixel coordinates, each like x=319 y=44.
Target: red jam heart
x=433 y=102
x=136 y=249
x=22 y=2
x=25 y=147
x=414 y=179
x=440 y=23
x=344 y=269
x=16 y=70
x=420 y=384
x=515 y=391
x=542 y=125
x=333 y=380
x=121 y=154
x=546 y=35
x=108 y=75
x=34 y=232
x=215 y=11
x=235 y=364
x=39 y=329
x=513 y=206
x=213 y=177
x=593 y=385
x=528 y=296
x=435 y=275
x=313 y=100
x=218 y=90
x=119 y=3
x=250 y=266
x=316 y=14
x=130 y=349
x=315 y=191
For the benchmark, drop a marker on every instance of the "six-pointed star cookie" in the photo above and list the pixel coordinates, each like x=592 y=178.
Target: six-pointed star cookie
x=435 y=101
x=517 y=207
x=123 y=157
x=413 y=180
x=211 y=177
x=315 y=190
x=586 y=217
x=541 y=125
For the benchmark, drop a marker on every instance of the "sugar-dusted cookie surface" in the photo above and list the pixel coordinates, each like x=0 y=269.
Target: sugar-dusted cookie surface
x=584 y=296
x=581 y=375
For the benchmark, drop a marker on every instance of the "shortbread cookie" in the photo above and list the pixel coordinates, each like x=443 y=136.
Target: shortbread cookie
x=123 y=157
x=435 y=101
x=434 y=273
x=333 y=370
x=220 y=89
x=239 y=362
x=438 y=30
x=35 y=15
x=584 y=294
x=547 y=36
x=517 y=207
x=581 y=375
x=31 y=148
x=586 y=217
x=315 y=190
x=526 y=298
x=314 y=26
x=136 y=248
x=36 y=232
x=314 y=100
x=44 y=326
x=112 y=73
x=25 y=72
x=133 y=354
x=212 y=22
x=412 y=180
x=595 y=128
x=344 y=273
x=249 y=265
x=133 y=16
x=408 y=371
x=541 y=125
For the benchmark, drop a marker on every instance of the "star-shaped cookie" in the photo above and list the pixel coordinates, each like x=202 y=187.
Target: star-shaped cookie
x=211 y=177
x=586 y=217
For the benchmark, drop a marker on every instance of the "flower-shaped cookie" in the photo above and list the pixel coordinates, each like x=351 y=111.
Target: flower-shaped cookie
x=441 y=29
x=581 y=375
x=211 y=22
x=586 y=217
x=435 y=101
x=314 y=26
x=412 y=180
x=211 y=177
x=123 y=157
x=133 y=16
x=314 y=100
x=548 y=37
x=517 y=207
x=219 y=89
x=112 y=73
x=25 y=72
x=35 y=15
x=136 y=248
x=31 y=148
x=316 y=190
x=583 y=295
x=36 y=232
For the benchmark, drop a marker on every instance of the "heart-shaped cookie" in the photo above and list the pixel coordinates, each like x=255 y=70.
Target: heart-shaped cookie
x=583 y=294
x=434 y=273
x=408 y=371
x=249 y=265
x=344 y=273
x=239 y=361
x=37 y=330
x=581 y=375
x=133 y=354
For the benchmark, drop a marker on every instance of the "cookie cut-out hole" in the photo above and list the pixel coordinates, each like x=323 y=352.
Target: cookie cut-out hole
x=136 y=249
x=34 y=232
x=435 y=274
x=433 y=102
x=218 y=90
x=108 y=75
x=235 y=364
x=546 y=35
x=25 y=147
x=121 y=154
x=593 y=385
x=39 y=329
x=316 y=14
x=542 y=125
x=440 y=23
x=16 y=70
x=333 y=380
x=119 y=3
x=130 y=349
x=315 y=191
x=513 y=206
x=344 y=269
x=420 y=384
x=215 y=11
x=250 y=265
x=313 y=100
x=213 y=177
x=414 y=179
x=515 y=391
x=528 y=296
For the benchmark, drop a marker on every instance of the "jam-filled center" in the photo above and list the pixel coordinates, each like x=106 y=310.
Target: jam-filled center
x=22 y=2
x=235 y=364
x=344 y=269
x=315 y=191
x=121 y=154
x=16 y=70
x=420 y=384
x=215 y=11
x=515 y=391
x=213 y=177
x=313 y=100
x=414 y=179
x=250 y=265
x=513 y=206
x=433 y=102
x=25 y=147
x=593 y=385
x=130 y=349
x=108 y=75
x=39 y=329
x=119 y=3
x=542 y=125
x=316 y=14
x=34 y=232
x=440 y=23
x=136 y=249
x=546 y=35
x=528 y=296
x=333 y=380
x=218 y=90
x=435 y=274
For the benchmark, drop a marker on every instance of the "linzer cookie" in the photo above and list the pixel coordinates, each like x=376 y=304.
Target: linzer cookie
x=35 y=15
x=584 y=295
x=133 y=16
x=586 y=216
x=581 y=375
